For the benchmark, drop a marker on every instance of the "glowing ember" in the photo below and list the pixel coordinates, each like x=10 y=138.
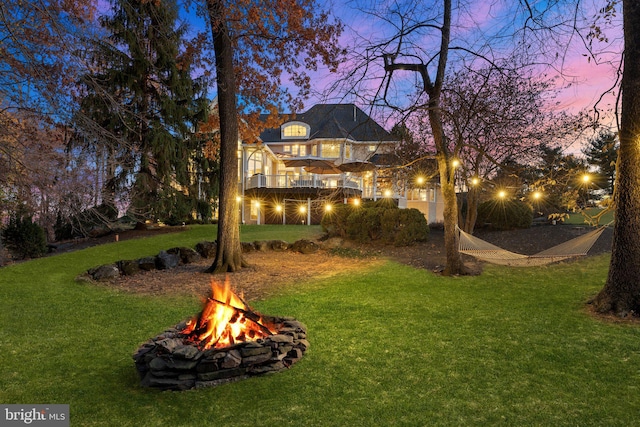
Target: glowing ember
x=225 y=320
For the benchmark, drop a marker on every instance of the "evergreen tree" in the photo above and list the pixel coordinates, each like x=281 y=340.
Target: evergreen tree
x=146 y=99
x=558 y=176
x=602 y=152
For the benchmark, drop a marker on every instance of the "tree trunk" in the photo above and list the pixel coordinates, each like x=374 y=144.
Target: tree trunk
x=450 y=213
x=229 y=252
x=471 y=214
x=621 y=293
x=443 y=156
x=448 y=187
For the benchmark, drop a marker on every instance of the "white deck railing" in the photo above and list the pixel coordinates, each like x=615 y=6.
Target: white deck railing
x=303 y=181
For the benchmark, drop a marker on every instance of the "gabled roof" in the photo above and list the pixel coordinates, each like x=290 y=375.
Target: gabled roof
x=338 y=121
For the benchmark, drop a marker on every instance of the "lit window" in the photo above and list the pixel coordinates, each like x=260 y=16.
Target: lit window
x=294 y=130
x=330 y=150
x=372 y=148
x=295 y=150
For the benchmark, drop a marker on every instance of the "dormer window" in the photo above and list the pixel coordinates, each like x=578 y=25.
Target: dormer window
x=294 y=130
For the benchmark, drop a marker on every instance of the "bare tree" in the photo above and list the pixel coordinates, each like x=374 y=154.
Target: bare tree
x=497 y=114
x=420 y=50
x=38 y=71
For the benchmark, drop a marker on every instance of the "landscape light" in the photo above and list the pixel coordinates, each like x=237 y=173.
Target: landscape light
x=502 y=194
x=586 y=178
x=278 y=208
x=356 y=202
x=475 y=180
x=537 y=195
x=420 y=180
x=303 y=209
x=388 y=193
x=328 y=207
x=455 y=163
x=238 y=199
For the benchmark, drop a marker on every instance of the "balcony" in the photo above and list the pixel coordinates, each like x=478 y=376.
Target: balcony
x=303 y=181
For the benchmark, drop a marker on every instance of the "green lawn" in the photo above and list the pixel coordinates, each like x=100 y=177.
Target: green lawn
x=395 y=346
x=578 y=218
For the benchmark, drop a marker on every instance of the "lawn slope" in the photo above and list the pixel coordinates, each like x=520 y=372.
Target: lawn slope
x=394 y=346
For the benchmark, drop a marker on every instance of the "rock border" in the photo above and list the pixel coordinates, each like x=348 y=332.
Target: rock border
x=176 y=256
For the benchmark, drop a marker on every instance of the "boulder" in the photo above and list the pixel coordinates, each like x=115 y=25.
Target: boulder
x=147 y=263
x=261 y=245
x=278 y=245
x=128 y=267
x=247 y=247
x=207 y=249
x=104 y=272
x=305 y=246
x=167 y=261
x=186 y=255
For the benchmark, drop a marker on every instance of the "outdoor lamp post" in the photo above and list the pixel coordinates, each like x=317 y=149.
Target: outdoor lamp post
x=257 y=206
x=280 y=211
x=586 y=180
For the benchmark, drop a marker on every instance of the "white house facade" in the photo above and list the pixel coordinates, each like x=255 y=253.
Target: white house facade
x=332 y=153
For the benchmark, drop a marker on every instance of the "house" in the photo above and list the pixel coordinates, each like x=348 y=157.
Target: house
x=332 y=153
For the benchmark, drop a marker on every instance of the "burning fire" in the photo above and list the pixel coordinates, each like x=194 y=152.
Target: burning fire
x=225 y=320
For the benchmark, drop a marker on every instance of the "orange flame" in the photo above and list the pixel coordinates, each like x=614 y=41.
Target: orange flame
x=225 y=320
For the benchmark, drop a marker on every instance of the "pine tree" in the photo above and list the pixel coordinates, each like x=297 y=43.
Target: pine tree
x=146 y=99
x=602 y=152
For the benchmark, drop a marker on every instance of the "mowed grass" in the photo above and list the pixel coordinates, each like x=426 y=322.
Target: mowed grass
x=394 y=346
x=579 y=219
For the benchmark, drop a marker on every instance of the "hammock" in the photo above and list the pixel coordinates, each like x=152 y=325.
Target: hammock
x=485 y=251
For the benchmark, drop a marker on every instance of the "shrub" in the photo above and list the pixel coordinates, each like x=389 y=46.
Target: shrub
x=24 y=238
x=365 y=224
x=411 y=227
x=63 y=228
x=377 y=222
x=505 y=215
x=335 y=223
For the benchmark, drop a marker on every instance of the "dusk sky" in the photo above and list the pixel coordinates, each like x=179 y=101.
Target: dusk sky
x=497 y=20
x=368 y=23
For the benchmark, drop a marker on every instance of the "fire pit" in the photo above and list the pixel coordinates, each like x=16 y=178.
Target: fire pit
x=227 y=341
